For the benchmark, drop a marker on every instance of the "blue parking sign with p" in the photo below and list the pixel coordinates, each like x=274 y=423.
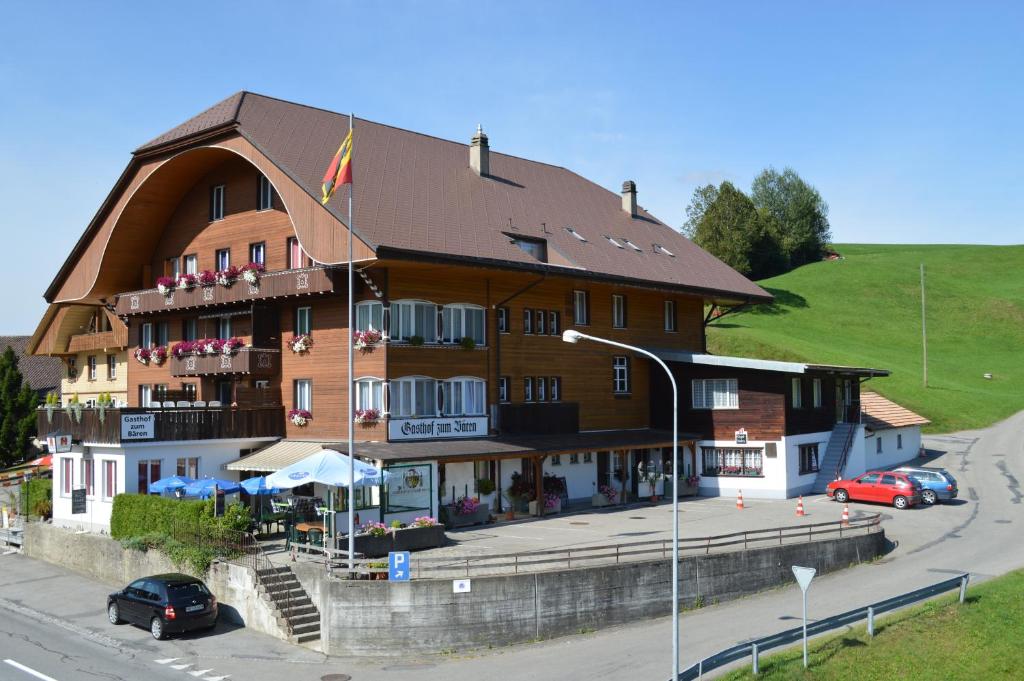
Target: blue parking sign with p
x=398 y=566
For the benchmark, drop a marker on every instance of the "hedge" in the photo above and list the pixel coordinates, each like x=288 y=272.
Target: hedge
x=35 y=491
x=135 y=515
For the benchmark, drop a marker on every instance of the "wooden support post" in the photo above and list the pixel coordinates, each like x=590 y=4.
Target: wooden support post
x=538 y=483
x=623 y=458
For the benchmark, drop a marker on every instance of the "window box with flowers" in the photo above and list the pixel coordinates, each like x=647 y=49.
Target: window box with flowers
x=187 y=282
x=606 y=496
x=228 y=277
x=165 y=285
x=466 y=511
x=301 y=343
x=366 y=340
x=155 y=356
x=251 y=273
x=367 y=417
x=422 y=533
x=299 y=417
x=206 y=278
x=552 y=504
x=689 y=486
x=373 y=540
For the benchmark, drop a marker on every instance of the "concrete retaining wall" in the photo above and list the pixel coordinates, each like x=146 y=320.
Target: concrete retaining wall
x=105 y=560
x=380 y=618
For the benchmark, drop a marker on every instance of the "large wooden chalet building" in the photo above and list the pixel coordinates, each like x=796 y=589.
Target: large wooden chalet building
x=221 y=278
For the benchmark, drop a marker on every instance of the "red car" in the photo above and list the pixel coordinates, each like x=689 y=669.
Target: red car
x=884 y=487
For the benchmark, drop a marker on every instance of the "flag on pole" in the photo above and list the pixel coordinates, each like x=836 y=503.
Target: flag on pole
x=339 y=172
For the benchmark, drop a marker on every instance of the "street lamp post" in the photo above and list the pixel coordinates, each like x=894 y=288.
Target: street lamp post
x=572 y=336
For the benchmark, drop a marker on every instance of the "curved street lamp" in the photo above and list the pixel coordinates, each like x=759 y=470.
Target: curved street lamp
x=572 y=336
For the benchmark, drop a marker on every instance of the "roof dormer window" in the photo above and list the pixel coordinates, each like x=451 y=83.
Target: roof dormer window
x=632 y=245
x=537 y=248
x=613 y=242
x=575 y=234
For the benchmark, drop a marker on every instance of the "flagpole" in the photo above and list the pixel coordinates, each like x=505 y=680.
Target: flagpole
x=351 y=438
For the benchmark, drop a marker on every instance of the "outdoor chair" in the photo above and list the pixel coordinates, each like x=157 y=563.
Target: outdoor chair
x=315 y=536
x=184 y=404
x=215 y=403
x=199 y=403
x=168 y=405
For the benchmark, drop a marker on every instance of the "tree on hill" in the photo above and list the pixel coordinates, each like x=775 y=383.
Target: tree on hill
x=17 y=411
x=799 y=210
x=724 y=221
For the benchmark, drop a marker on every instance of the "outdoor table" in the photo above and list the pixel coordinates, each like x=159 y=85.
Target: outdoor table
x=273 y=519
x=306 y=527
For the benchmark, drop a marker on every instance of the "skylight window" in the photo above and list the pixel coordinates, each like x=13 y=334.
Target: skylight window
x=613 y=242
x=661 y=249
x=537 y=248
x=633 y=246
x=575 y=234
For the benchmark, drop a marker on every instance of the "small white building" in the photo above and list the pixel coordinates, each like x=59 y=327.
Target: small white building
x=892 y=434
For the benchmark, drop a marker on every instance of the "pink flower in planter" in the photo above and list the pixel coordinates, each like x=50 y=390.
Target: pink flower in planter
x=165 y=285
x=207 y=278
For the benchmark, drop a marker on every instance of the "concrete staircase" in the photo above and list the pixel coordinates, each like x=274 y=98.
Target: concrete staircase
x=839 y=444
x=292 y=606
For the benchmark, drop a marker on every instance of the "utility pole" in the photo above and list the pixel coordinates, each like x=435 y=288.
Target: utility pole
x=924 y=331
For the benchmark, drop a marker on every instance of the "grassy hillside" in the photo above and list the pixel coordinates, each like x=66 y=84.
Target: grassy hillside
x=865 y=310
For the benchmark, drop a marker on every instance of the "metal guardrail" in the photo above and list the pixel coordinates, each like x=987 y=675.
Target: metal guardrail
x=427 y=567
x=754 y=648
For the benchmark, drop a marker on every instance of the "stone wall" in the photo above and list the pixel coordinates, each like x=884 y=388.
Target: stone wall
x=104 y=559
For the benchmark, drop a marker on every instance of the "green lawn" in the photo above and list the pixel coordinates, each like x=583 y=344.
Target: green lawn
x=942 y=639
x=865 y=310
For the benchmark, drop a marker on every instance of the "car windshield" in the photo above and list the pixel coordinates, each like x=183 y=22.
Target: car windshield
x=190 y=590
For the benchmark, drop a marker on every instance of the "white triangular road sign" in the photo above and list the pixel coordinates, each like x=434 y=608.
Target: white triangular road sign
x=803 y=575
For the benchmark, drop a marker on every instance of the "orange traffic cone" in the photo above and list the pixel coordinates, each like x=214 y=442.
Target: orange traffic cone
x=800 y=507
x=846 y=514
x=739 y=499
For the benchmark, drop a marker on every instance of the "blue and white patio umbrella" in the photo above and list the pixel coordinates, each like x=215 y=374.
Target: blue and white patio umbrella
x=204 y=488
x=169 y=484
x=327 y=467
x=258 y=485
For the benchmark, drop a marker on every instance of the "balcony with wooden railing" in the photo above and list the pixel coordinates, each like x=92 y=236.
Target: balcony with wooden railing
x=115 y=426
x=280 y=284
x=115 y=339
x=261 y=362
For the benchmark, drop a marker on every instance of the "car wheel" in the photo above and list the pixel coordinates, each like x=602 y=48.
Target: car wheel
x=156 y=627
x=113 y=614
x=900 y=502
x=841 y=495
x=929 y=497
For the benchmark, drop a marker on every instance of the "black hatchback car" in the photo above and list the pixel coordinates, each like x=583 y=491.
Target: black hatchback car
x=166 y=604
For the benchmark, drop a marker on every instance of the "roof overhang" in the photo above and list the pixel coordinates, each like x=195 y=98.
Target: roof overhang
x=705 y=359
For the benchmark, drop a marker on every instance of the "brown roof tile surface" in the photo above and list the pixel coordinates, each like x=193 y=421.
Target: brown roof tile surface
x=880 y=413
x=42 y=373
x=417 y=193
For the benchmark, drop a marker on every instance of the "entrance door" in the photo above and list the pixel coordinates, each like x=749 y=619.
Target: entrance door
x=604 y=476
x=225 y=393
x=840 y=402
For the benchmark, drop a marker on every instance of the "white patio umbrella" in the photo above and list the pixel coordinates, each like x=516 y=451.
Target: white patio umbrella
x=328 y=467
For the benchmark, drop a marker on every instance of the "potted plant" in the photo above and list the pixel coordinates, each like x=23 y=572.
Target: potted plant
x=467 y=511
x=301 y=343
x=690 y=486
x=52 y=402
x=365 y=340
x=206 y=278
x=518 y=493
x=467 y=343
x=187 y=282
x=165 y=285
x=416 y=341
x=251 y=273
x=373 y=539
x=158 y=355
x=367 y=416
x=606 y=496
x=422 y=533
x=228 y=277
x=142 y=355
x=380 y=570
x=299 y=417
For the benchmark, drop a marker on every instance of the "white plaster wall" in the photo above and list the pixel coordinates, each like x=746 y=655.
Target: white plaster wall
x=97 y=509
x=460 y=477
x=891 y=455
x=855 y=459
x=580 y=478
x=772 y=486
x=797 y=484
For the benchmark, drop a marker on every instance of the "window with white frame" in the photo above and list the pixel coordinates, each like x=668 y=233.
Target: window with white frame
x=191 y=264
x=670 y=316
x=733 y=461
x=816 y=393
x=715 y=393
x=542 y=389
x=223 y=258
x=370 y=315
x=88 y=477
x=145 y=395
x=111 y=367
x=66 y=476
x=414 y=318
x=555 y=383
x=303 y=320
x=554 y=323
x=796 y=390
x=92 y=367
x=258 y=253
x=528 y=389
x=224 y=327
x=304 y=394
x=460 y=321
x=265 y=198
x=149 y=472
x=556 y=459
x=618 y=311
x=502 y=318
x=370 y=394
x=574 y=458
x=146 y=335
x=297 y=257
x=808 y=459
x=163 y=333
x=580 y=308
x=217 y=203
x=462 y=397
x=541 y=317
x=188 y=466
x=503 y=389
x=172 y=268
x=413 y=396
x=620 y=374
x=109 y=479
x=527 y=320
x=588 y=457
x=190 y=329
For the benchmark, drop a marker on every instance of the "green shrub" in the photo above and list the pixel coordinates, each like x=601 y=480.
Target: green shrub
x=36 y=490
x=137 y=514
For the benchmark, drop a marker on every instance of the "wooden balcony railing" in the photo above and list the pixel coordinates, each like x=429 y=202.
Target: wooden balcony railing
x=103 y=340
x=153 y=425
x=271 y=285
x=254 y=361
x=546 y=418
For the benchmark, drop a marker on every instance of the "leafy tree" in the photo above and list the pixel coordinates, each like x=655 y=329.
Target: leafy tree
x=798 y=209
x=724 y=221
x=17 y=410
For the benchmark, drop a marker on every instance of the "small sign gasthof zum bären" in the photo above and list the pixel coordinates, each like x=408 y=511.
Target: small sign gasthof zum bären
x=137 y=426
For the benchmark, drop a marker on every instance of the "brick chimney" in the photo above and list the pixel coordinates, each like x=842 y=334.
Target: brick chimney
x=480 y=153
x=629 y=197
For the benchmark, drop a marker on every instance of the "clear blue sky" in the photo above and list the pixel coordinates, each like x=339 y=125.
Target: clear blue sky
x=906 y=116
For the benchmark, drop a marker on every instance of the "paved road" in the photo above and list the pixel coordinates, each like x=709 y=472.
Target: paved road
x=53 y=622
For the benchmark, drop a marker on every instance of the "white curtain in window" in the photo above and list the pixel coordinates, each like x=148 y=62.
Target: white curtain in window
x=414 y=319
x=369 y=394
x=369 y=315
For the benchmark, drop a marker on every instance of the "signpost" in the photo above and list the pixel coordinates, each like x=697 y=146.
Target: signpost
x=78 y=501
x=137 y=426
x=741 y=436
x=58 y=443
x=804 y=575
x=398 y=566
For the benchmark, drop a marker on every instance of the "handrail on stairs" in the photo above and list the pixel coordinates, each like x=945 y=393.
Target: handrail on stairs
x=846 y=450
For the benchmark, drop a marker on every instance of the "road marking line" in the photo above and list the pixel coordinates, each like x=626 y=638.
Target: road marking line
x=200 y=672
x=167 y=660
x=29 y=670
x=180 y=667
x=218 y=678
